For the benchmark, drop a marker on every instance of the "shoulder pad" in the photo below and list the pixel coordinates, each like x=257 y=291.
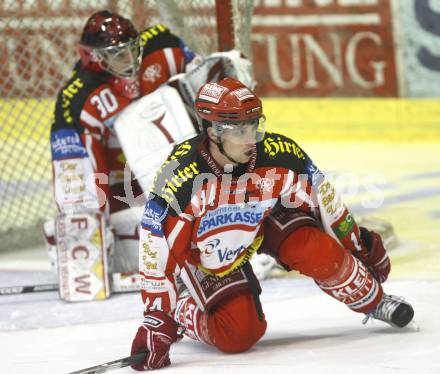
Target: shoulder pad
x=152 y=32
x=279 y=150
x=72 y=97
x=157 y=36
x=174 y=180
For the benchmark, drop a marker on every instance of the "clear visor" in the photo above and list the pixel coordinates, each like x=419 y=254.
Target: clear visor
x=242 y=132
x=122 y=60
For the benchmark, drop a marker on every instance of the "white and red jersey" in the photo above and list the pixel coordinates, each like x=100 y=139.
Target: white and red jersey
x=213 y=219
x=88 y=163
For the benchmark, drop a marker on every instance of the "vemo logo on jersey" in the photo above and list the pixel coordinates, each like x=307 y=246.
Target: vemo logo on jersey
x=223 y=254
x=230 y=254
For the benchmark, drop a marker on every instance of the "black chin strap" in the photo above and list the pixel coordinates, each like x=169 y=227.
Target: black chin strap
x=222 y=150
x=219 y=144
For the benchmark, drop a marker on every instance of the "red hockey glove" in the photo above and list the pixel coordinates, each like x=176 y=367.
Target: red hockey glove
x=375 y=256
x=155 y=336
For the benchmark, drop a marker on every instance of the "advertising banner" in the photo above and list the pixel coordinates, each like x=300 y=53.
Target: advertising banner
x=300 y=48
x=318 y=48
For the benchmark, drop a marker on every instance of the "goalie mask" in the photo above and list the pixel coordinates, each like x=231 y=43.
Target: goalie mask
x=233 y=110
x=110 y=43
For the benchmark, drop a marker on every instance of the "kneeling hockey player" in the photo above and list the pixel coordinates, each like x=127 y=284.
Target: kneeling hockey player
x=226 y=194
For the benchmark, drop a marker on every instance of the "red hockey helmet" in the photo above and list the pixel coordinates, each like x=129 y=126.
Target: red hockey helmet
x=110 y=42
x=231 y=108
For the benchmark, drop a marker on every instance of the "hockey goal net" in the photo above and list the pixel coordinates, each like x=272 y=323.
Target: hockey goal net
x=37 y=52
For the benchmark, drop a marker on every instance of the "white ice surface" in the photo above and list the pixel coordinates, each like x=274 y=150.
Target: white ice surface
x=308 y=332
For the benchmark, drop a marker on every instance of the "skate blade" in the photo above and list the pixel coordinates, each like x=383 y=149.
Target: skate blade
x=413 y=326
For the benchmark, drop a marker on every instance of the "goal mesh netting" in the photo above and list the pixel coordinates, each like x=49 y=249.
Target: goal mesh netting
x=37 y=52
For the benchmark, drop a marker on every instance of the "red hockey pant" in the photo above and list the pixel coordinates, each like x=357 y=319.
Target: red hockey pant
x=233 y=326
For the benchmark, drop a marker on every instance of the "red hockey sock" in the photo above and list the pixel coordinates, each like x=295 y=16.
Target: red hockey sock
x=354 y=286
x=336 y=271
x=190 y=316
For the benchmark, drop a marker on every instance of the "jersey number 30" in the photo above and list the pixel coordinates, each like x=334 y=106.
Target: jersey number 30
x=105 y=102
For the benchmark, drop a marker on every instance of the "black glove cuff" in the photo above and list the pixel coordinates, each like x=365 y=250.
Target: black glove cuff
x=366 y=238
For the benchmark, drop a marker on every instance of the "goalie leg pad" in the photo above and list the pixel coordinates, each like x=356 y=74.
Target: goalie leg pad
x=82 y=257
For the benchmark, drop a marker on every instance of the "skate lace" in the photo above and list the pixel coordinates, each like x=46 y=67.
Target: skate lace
x=385 y=309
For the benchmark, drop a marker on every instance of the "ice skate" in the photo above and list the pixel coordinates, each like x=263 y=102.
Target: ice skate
x=392 y=310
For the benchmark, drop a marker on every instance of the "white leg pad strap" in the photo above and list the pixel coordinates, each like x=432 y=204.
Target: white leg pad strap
x=126 y=228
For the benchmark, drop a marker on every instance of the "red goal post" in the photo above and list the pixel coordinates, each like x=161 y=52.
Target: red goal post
x=37 y=52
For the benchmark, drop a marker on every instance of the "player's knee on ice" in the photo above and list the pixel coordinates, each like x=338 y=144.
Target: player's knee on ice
x=234 y=326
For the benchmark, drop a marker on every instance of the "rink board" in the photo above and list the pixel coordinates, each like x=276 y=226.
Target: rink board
x=318 y=119
x=391 y=120
x=25 y=126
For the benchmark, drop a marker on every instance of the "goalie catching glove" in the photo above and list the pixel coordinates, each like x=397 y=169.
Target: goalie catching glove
x=374 y=256
x=155 y=336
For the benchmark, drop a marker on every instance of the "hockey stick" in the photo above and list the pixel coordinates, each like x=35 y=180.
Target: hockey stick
x=117 y=364
x=118 y=287
x=16 y=290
